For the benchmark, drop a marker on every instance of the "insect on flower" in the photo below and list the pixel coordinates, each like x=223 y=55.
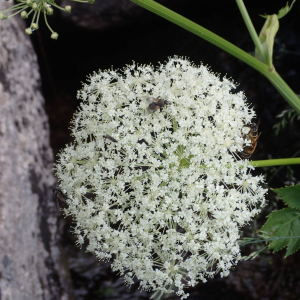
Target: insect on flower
x=155 y=103
x=253 y=136
x=60 y=198
x=109 y=137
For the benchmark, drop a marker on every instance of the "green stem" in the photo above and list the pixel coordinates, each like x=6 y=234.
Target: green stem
x=285 y=91
x=45 y=17
x=200 y=31
x=251 y=30
x=276 y=162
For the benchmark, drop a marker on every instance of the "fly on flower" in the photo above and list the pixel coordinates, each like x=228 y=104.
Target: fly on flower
x=60 y=198
x=155 y=103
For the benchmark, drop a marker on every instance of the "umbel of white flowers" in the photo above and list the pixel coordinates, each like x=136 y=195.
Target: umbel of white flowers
x=153 y=178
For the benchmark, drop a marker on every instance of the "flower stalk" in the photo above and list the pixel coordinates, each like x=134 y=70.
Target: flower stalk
x=275 y=162
x=252 y=30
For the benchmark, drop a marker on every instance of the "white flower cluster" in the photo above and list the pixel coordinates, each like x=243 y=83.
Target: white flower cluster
x=153 y=179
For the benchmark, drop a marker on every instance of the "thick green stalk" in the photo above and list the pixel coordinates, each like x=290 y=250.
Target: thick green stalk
x=276 y=162
x=251 y=30
x=198 y=30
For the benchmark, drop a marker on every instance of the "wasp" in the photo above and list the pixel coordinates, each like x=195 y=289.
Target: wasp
x=155 y=103
x=253 y=136
x=109 y=137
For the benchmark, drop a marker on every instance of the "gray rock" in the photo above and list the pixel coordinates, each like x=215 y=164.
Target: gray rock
x=31 y=264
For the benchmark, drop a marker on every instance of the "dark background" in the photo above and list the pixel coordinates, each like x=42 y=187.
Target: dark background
x=146 y=38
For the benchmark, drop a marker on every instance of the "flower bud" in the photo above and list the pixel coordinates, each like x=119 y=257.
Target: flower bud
x=34 y=26
x=68 y=8
x=54 y=35
x=3 y=16
x=49 y=11
x=268 y=33
x=28 y=31
x=24 y=14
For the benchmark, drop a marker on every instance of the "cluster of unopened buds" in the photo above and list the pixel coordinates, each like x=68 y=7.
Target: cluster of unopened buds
x=36 y=8
x=153 y=179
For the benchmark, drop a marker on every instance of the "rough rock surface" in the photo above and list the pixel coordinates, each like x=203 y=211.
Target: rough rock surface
x=31 y=264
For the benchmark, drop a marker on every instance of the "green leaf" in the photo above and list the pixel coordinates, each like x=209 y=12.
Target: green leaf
x=284 y=227
x=290 y=195
x=285 y=10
